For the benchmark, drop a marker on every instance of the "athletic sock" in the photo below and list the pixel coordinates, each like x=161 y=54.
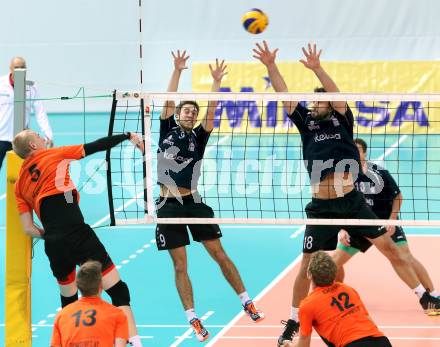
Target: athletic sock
x=244 y=298
x=135 y=341
x=190 y=314
x=419 y=290
x=294 y=313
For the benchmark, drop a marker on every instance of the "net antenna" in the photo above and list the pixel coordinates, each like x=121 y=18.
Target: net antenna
x=20 y=100
x=264 y=180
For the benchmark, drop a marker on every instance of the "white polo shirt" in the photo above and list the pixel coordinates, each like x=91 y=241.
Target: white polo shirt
x=7 y=110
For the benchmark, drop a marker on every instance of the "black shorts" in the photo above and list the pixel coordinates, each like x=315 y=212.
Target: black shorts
x=361 y=244
x=381 y=341
x=68 y=241
x=169 y=236
x=350 y=206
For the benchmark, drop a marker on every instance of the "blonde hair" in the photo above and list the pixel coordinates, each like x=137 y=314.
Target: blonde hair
x=89 y=278
x=20 y=144
x=323 y=269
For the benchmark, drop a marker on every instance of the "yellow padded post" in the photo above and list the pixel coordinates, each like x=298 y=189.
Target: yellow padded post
x=18 y=328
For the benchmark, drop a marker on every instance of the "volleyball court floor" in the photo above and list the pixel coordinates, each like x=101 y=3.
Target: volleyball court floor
x=266 y=256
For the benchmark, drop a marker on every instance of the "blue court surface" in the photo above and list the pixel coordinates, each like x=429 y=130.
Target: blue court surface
x=260 y=252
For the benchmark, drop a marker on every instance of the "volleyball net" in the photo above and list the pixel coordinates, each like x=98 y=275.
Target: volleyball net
x=253 y=169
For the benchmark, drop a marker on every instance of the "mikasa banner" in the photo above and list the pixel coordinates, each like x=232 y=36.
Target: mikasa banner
x=379 y=117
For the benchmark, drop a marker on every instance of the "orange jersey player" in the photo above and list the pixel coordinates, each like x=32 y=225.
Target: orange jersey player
x=335 y=310
x=44 y=185
x=90 y=321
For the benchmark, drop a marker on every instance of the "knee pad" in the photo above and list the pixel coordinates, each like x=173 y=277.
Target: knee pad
x=119 y=294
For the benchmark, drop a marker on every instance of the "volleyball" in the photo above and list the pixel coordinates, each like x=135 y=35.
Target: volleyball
x=255 y=21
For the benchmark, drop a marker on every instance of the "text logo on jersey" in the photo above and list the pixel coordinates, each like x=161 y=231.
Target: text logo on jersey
x=313 y=126
x=324 y=137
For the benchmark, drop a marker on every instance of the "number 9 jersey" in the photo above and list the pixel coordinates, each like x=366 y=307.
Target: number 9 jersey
x=337 y=314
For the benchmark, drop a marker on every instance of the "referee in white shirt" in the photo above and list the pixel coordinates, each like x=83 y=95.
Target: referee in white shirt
x=7 y=109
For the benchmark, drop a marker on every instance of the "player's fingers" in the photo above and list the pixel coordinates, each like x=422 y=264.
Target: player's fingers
x=266 y=47
x=259 y=47
x=306 y=54
x=174 y=56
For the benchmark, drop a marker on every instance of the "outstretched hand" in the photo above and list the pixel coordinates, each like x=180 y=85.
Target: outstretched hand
x=263 y=54
x=312 y=61
x=344 y=237
x=136 y=140
x=219 y=71
x=180 y=60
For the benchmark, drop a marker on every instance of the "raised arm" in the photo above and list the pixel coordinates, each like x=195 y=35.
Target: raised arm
x=108 y=142
x=179 y=65
x=263 y=54
x=217 y=74
x=313 y=63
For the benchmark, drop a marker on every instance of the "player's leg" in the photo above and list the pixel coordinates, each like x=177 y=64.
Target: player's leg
x=209 y=235
x=401 y=262
x=184 y=288
x=120 y=296
x=174 y=238
x=402 y=265
x=183 y=283
x=344 y=253
x=400 y=240
x=231 y=274
x=341 y=256
x=316 y=237
x=86 y=246
x=63 y=270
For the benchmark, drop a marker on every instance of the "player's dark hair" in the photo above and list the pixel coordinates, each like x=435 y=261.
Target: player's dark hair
x=361 y=143
x=89 y=278
x=187 y=102
x=319 y=90
x=322 y=90
x=322 y=269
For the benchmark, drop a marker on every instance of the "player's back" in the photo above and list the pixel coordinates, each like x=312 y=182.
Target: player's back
x=46 y=172
x=338 y=314
x=90 y=322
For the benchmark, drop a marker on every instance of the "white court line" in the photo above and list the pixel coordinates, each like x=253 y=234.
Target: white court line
x=3 y=196
x=299 y=231
x=132 y=200
x=187 y=333
x=258 y=297
x=392 y=148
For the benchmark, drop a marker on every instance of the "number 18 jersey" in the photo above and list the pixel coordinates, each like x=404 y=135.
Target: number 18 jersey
x=337 y=314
